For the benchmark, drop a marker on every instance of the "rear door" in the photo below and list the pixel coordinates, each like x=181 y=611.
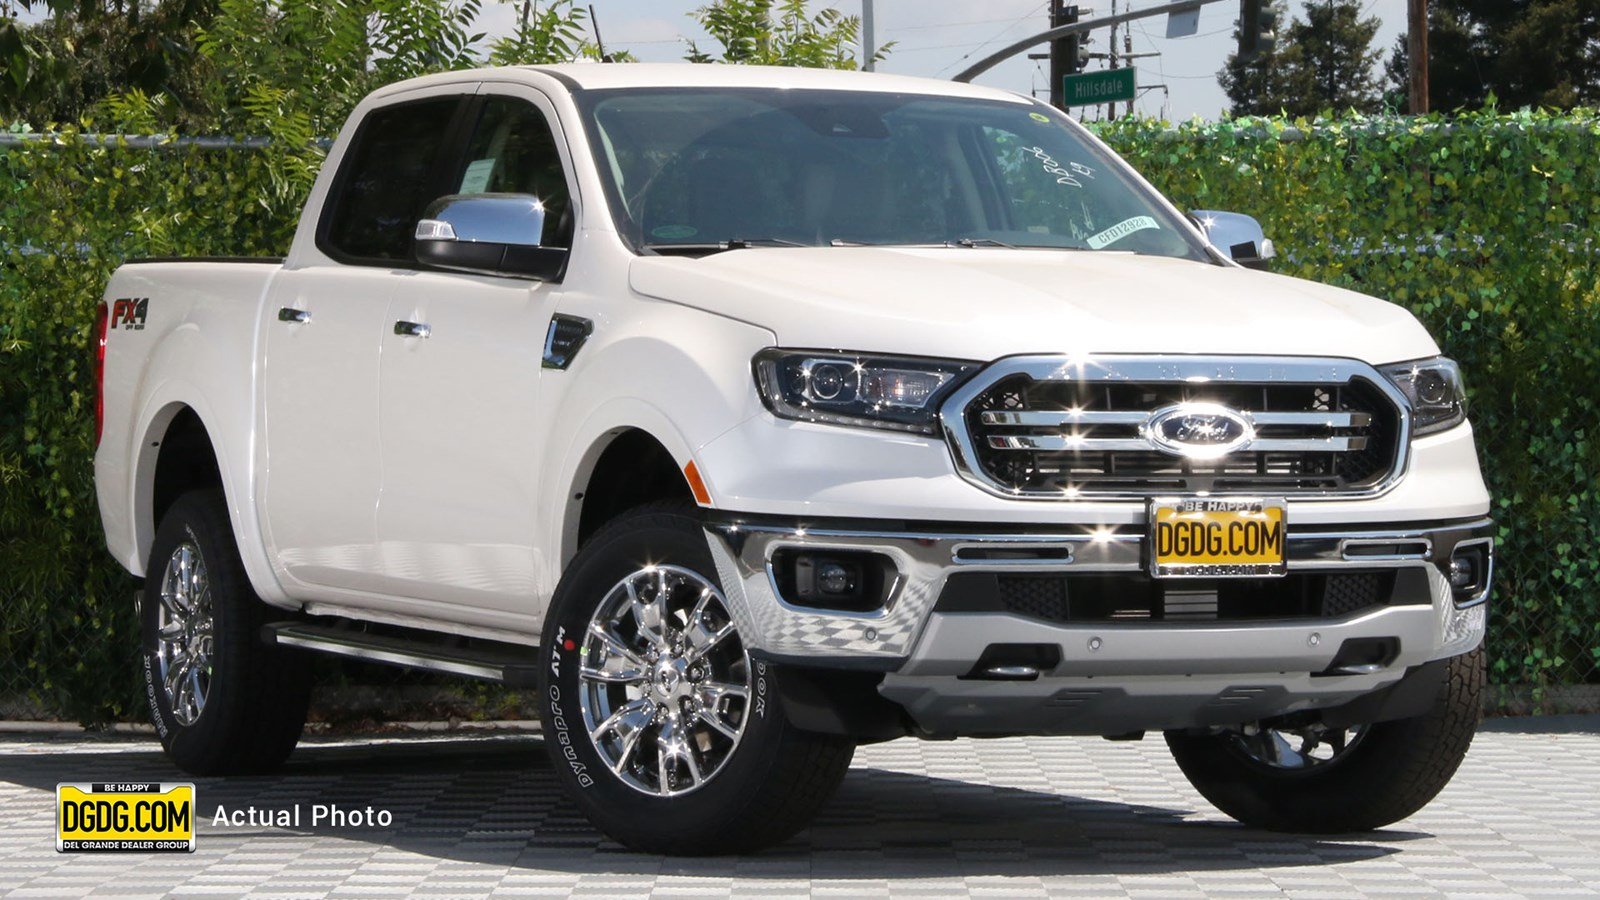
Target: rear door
x=461 y=445
x=324 y=333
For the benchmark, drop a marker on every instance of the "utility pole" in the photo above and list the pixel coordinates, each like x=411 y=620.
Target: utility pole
x=1127 y=54
x=1063 y=52
x=1417 y=55
x=869 y=44
x=1111 y=61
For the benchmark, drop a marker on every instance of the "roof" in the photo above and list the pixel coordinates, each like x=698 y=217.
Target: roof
x=599 y=75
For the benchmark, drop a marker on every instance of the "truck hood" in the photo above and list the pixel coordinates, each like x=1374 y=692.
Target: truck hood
x=982 y=303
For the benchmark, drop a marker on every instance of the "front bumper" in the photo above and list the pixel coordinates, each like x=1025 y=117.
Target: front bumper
x=1111 y=676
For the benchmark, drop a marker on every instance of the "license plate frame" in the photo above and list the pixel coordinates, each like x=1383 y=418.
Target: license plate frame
x=1232 y=560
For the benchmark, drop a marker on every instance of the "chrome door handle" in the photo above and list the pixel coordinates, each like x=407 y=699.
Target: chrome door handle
x=290 y=314
x=412 y=329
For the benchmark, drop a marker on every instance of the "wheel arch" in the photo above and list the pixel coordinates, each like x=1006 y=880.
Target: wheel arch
x=623 y=462
x=181 y=448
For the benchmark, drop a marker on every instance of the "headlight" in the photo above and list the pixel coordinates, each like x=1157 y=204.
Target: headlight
x=1438 y=399
x=895 y=392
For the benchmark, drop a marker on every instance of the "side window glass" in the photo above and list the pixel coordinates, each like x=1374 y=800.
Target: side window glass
x=385 y=185
x=512 y=151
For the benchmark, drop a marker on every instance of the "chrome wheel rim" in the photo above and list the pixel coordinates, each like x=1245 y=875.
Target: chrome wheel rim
x=1296 y=749
x=664 y=681
x=184 y=633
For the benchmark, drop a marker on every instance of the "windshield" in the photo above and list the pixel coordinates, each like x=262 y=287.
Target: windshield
x=698 y=169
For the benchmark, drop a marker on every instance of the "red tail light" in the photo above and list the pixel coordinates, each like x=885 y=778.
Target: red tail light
x=102 y=323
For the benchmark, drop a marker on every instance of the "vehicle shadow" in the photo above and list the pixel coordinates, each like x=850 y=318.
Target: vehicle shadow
x=494 y=800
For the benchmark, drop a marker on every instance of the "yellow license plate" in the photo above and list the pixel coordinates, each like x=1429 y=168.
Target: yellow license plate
x=139 y=816
x=1206 y=538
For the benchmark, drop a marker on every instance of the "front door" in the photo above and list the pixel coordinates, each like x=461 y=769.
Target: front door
x=460 y=391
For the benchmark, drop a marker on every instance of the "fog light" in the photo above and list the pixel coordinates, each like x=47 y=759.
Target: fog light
x=826 y=577
x=852 y=580
x=1470 y=570
x=833 y=578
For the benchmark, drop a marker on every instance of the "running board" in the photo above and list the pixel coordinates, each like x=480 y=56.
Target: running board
x=513 y=665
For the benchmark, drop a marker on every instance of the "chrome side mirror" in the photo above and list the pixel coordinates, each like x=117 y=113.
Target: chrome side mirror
x=1236 y=236
x=496 y=234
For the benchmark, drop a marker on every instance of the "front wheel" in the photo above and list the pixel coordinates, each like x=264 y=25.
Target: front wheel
x=658 y=722
x=1305 y=777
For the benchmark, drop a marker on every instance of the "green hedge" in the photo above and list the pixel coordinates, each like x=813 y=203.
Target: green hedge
x=1488 y=227
x=73 y=209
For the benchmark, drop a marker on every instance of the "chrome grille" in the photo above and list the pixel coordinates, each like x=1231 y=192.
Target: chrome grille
x=1040 y=427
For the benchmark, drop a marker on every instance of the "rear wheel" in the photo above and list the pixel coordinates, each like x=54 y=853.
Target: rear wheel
x=222 y=701
x=657 y=721
x=1301 y=776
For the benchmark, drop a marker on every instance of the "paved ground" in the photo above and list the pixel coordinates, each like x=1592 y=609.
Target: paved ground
x=1016 y=817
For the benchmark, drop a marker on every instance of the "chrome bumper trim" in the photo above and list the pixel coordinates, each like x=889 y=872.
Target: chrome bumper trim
x=886 y=638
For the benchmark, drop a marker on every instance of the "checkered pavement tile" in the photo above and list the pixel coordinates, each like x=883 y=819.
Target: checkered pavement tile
x=1023 y=817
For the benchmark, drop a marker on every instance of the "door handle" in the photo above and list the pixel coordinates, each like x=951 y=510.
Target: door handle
x=412 y=329
x=298 y=316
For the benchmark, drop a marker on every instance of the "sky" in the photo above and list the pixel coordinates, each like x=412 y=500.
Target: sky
x=938 y=38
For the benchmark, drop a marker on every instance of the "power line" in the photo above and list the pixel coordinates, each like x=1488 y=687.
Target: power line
x=1018 y=21
x=929 y=25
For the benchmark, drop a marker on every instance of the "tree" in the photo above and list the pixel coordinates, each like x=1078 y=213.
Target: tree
x=1322 y=63
x=58 y=70
x=288 y=69
x=552 y=34
x=779 y=33
x=1337 y=58
x=1524 y=52
x=1259 y=86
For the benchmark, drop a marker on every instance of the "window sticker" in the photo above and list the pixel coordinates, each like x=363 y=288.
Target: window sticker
x=1071 y=174
x=1120 y=230
x=476 y=179
x=674 y=232
x=1039 y=117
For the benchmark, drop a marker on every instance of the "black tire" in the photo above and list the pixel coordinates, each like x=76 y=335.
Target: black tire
x=255 y=704
x=1394 y=769
x=773 y=781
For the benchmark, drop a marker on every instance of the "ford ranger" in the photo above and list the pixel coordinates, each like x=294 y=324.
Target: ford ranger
x=747 y=415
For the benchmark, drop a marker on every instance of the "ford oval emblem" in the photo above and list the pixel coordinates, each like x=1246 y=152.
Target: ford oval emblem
x=1198 y=430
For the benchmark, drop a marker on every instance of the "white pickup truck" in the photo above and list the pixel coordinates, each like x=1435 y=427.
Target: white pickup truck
x=752 y=414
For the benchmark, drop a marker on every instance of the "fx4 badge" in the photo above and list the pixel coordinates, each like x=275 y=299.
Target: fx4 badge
x=129 y=313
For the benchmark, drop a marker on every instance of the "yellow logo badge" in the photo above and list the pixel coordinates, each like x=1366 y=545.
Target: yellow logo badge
x=139 y=816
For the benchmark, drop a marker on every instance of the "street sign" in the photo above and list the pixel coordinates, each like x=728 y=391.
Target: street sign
x=1183 y=22
x=1109 y=86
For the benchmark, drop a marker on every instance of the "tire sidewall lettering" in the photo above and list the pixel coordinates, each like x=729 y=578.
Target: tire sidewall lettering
x=157 y=714
x=761 y=690
x=560 y=731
